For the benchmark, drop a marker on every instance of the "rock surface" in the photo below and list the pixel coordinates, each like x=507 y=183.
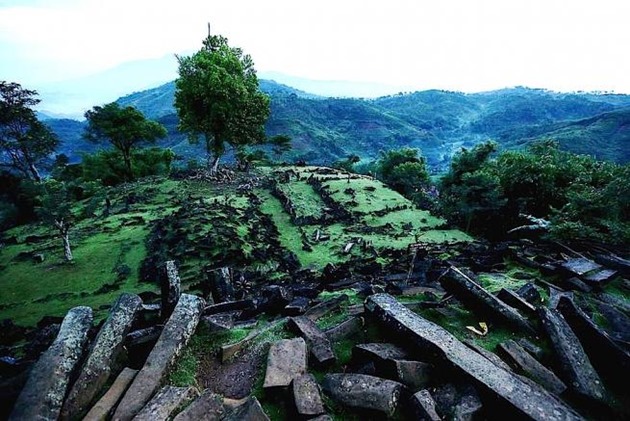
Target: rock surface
x=108 y=401
x=518 y=397
x=363 y=391
x=249 y=411
x=165 y=402
x=208 y=406
x=105 y=351
x=176 y=333
x=306 y=396
x=318 y=344
x=424 y=407
x=286 y=360
x=574 y=364
x=171 y=289
x=47 y=384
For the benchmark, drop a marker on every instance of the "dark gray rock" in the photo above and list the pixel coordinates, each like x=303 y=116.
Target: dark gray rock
x=476 y=297
x=614 y=262
x=318 y=344
x=106 y=404
x=165 y=402
x=530 y=293
x=143 y=336
x=208 y=406
x=423 y=406
x=365 y=392
x=600 y=278
x=579 y=266
x=576 y=284
x=298 y=306
x=104 y=353
x=307 y=397
x=611 y=361
x=514 y=300
x=413 y=374
x=378 y=353
x=574 y=364
x=228 y=306
x=524 y=363
x=177 y=331
x=47 y=384
x=326 y=307
x=494 y=358
x=249 y=411
x=221 y=285
x=286 y=360
x=345 y=329
x=517 y=397
x=534 y=350
x=171 y=289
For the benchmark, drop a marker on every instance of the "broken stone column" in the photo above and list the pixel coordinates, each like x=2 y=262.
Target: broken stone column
x=175 y=335
x=221 y=285
x=306 y=395
x=108 y=401
x=473 y=295
x=423 y=406
x=318 y=344
x=165 y=402
x=286 y=360
x=104 y=352
x=326 y=307
x=47 y=384
x=171 y=289
x=364 y=392
x=518 y=398
x=208 y=406
x=574 y=364
x=250 y=411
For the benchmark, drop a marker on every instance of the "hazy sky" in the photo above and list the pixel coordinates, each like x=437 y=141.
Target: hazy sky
x=468 y=45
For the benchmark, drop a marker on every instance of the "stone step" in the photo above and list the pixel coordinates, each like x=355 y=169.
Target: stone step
x=517 y=397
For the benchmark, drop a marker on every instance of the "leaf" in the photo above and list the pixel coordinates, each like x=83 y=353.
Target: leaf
x=482 y=325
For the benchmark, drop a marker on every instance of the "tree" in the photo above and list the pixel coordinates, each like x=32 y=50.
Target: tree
x=348 y=163
x=404 y=170
x=24 y=140
x=280 y=144
x=217 y=97
x=56 y=209
x=124 y=128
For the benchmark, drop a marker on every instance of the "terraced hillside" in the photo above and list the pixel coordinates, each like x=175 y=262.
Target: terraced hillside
x=279 y=224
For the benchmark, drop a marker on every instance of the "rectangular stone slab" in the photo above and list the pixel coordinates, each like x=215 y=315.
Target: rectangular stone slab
x=318 y=344
x=580 y=266
x=103 y=355
x=165 y=402
x=108 y=401
x=476 y=297
x=518 y=397
x=175 y=335
x=286 y=360
x=326 y=307
x=306 y=396
x=208 y=406
x=574 y=364
x=345 y=329
x=47 y=384
x=525 y=363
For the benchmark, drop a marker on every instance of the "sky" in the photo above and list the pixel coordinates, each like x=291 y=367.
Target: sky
x=466 y=45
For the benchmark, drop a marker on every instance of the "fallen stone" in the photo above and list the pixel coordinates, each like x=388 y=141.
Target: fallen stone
x=326 y=307
x=106 y=404
x=514 y=300
x=318 y=344
x=177 y=331
x=379 y=353
x=208 y=406
x=530 y=293
x=579 y=266
x=221 y=322
x=611 y=361
x=307 y=397
x=104 y=353
x=518 y=397
x=345 y=329
x=413 y=374
x=47 y=384
x=221 y=285
x=228 y=306
x=468 y=406
x=523 y=362
x=614 y=262
x=554 y=296
x=534 y=350
x=574 y=364
x=363 y=391
x=600 y=278
x=324 y=417
x=165 y=402
x=494 y=358
x=473 y=295
x=142 y=336
x=171 y=289
x=275 y=298
x=229 y=350
x=296 y=307
x=286 y=360
x=576 y=284
x=423 y=406
x=249 y=411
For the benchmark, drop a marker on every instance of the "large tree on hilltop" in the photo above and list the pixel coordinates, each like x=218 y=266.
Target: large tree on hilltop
x=124 y=128
x=24 y=140
x=217 y=97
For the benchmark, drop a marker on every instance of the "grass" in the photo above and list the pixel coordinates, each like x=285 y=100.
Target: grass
x=306 y=202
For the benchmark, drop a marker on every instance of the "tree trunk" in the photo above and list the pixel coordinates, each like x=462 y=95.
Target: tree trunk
x=35 y=173
x=67 y=252
x=127 y=160
x=213 y=164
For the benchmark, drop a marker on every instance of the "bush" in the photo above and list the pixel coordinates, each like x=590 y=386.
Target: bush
x=108 y=167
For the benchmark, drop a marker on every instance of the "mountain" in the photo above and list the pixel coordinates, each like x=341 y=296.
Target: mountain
x=437 y=122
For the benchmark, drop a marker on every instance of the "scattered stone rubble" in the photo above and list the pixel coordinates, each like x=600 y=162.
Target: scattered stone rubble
x=416 y=370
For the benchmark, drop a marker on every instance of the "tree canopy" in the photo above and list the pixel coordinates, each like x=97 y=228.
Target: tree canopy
x=217 y=97
x=24 y=140
x=124 y=128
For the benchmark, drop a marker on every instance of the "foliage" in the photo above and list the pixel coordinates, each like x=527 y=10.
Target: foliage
x=124 y=128
x=581 y=196
x=24 y=140
x=348 y=163
x=405 y=171
x=106 y=166
x=56 y=210
x=217 y=96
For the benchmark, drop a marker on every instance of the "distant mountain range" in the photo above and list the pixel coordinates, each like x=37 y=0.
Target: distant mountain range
x=437 y=122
